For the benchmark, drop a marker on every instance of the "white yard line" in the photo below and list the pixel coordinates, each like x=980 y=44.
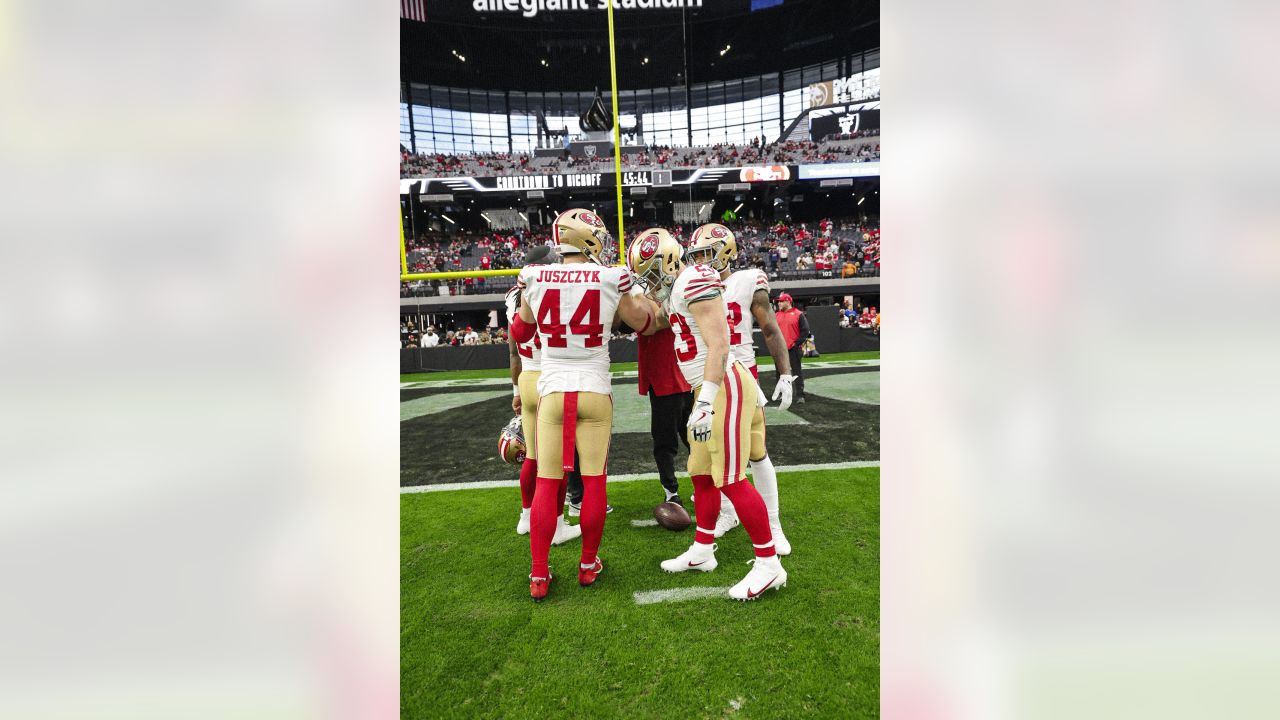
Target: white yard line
x=644 y=523
x=650 y=597
x=487 y=484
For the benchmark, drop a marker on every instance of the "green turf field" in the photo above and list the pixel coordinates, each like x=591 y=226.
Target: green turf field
x=615 y=367
x=474 y=645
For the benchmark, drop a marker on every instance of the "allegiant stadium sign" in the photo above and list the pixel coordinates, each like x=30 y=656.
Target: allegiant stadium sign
x=530 y=8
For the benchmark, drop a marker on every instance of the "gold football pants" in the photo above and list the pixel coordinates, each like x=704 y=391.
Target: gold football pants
x=738 y=420
x=573 y=419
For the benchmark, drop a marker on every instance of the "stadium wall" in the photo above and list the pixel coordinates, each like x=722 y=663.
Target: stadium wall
x=824 y=321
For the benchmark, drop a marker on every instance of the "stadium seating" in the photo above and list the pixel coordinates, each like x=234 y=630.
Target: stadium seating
x=460 y=251
x=847 y=148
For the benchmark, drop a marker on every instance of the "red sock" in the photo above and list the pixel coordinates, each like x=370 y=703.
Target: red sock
x=528 y=481
x=592 y=521
x=752 y=514
x=706 y=508
x=542 y=524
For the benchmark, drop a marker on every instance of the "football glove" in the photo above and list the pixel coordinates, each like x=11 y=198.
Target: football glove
x=700 y=421
x=782 y=391
x=761 y=398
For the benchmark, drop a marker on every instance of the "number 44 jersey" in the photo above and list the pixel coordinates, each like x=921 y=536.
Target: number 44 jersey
x=574 y=307
x=695 y=282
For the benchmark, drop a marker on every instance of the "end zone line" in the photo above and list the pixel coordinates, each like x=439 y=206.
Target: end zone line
x=649 y=597
x=488 y=484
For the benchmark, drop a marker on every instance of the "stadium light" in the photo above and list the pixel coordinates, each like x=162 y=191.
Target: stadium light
x=864 y=197
x=486 y=218
x=451 y=222
x=735 y=210
x=526 y=217
x=544 y=62
x=725 y=50
x=644 y=61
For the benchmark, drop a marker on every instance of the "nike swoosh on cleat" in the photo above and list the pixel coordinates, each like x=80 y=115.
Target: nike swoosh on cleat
x=766 y=587
x=704 y=562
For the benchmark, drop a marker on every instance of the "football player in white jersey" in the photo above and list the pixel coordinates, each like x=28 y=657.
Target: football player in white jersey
x=526 y=368
x=723 y=416
x=573 y=307
x=746 y=298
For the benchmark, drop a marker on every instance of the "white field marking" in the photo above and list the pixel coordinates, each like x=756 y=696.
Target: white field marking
x=644 y=523
x=650 y=597
x=620 y=375
x=487 y=484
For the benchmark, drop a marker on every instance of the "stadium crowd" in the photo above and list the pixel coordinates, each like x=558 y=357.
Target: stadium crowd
x=858 y=147
x=828 y=248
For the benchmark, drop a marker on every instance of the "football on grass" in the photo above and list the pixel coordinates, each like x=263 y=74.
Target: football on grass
x=672 y=516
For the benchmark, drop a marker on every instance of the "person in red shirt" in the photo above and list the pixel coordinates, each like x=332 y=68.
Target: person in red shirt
x=795 y=330
x=670 y=402
x=484 y=261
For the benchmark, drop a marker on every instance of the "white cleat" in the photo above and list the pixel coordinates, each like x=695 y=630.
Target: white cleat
x=765 y=573
x=727 y=521
x=522 y=527
x=565 y=532
x=697 y=557
x=780 y=542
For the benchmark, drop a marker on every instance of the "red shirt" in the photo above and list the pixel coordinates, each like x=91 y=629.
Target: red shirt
x=658 y=367
x=789 y=323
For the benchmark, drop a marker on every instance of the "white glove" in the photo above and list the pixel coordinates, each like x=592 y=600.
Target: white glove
x=700 y=421
x=703 y=410
x=761 y=398
x=783 y=390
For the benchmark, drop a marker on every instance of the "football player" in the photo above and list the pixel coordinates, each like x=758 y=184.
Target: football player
x=723 y=417
x=573 y=306
x=526 y=367
x=746 y=295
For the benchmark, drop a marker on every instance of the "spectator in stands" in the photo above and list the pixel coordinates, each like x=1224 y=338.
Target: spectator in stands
x=431 y=339
x=849 y=270
x=412 y=342
x=471 y=337
x=805 y=261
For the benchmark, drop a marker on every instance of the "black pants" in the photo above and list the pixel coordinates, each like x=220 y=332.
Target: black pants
x=668 y=418
x=794 y=352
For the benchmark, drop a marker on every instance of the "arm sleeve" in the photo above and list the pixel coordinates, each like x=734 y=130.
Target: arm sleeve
x=804 y=327
x=703 y=286
x=762 y=281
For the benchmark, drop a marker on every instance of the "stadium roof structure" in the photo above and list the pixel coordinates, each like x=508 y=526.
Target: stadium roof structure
x=484 y=44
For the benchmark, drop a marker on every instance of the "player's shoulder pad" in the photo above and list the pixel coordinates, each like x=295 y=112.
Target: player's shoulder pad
x=703 y=284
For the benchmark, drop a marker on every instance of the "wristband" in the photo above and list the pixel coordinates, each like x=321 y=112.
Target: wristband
x=708 y=392
x=515 y=390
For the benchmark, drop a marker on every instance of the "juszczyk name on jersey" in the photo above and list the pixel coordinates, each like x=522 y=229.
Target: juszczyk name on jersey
x=568 y=276
x=546 y=182
x=530 y=8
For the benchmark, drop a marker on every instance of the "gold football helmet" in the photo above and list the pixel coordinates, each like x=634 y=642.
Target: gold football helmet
x=580 y=231
x=655 y=260
x=712 y=244
x=511 y=443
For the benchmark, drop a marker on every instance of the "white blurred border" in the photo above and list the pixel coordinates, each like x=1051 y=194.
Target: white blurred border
x=1082 y=259
x=198 y=497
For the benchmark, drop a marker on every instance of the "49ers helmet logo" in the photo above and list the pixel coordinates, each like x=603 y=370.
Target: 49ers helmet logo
x=590 y=219
x=717 y=232
x=648 y=246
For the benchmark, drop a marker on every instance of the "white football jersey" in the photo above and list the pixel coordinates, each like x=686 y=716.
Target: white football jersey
x=530 y=352
x=739 y=289
x=574 y=307
x=695 y=282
